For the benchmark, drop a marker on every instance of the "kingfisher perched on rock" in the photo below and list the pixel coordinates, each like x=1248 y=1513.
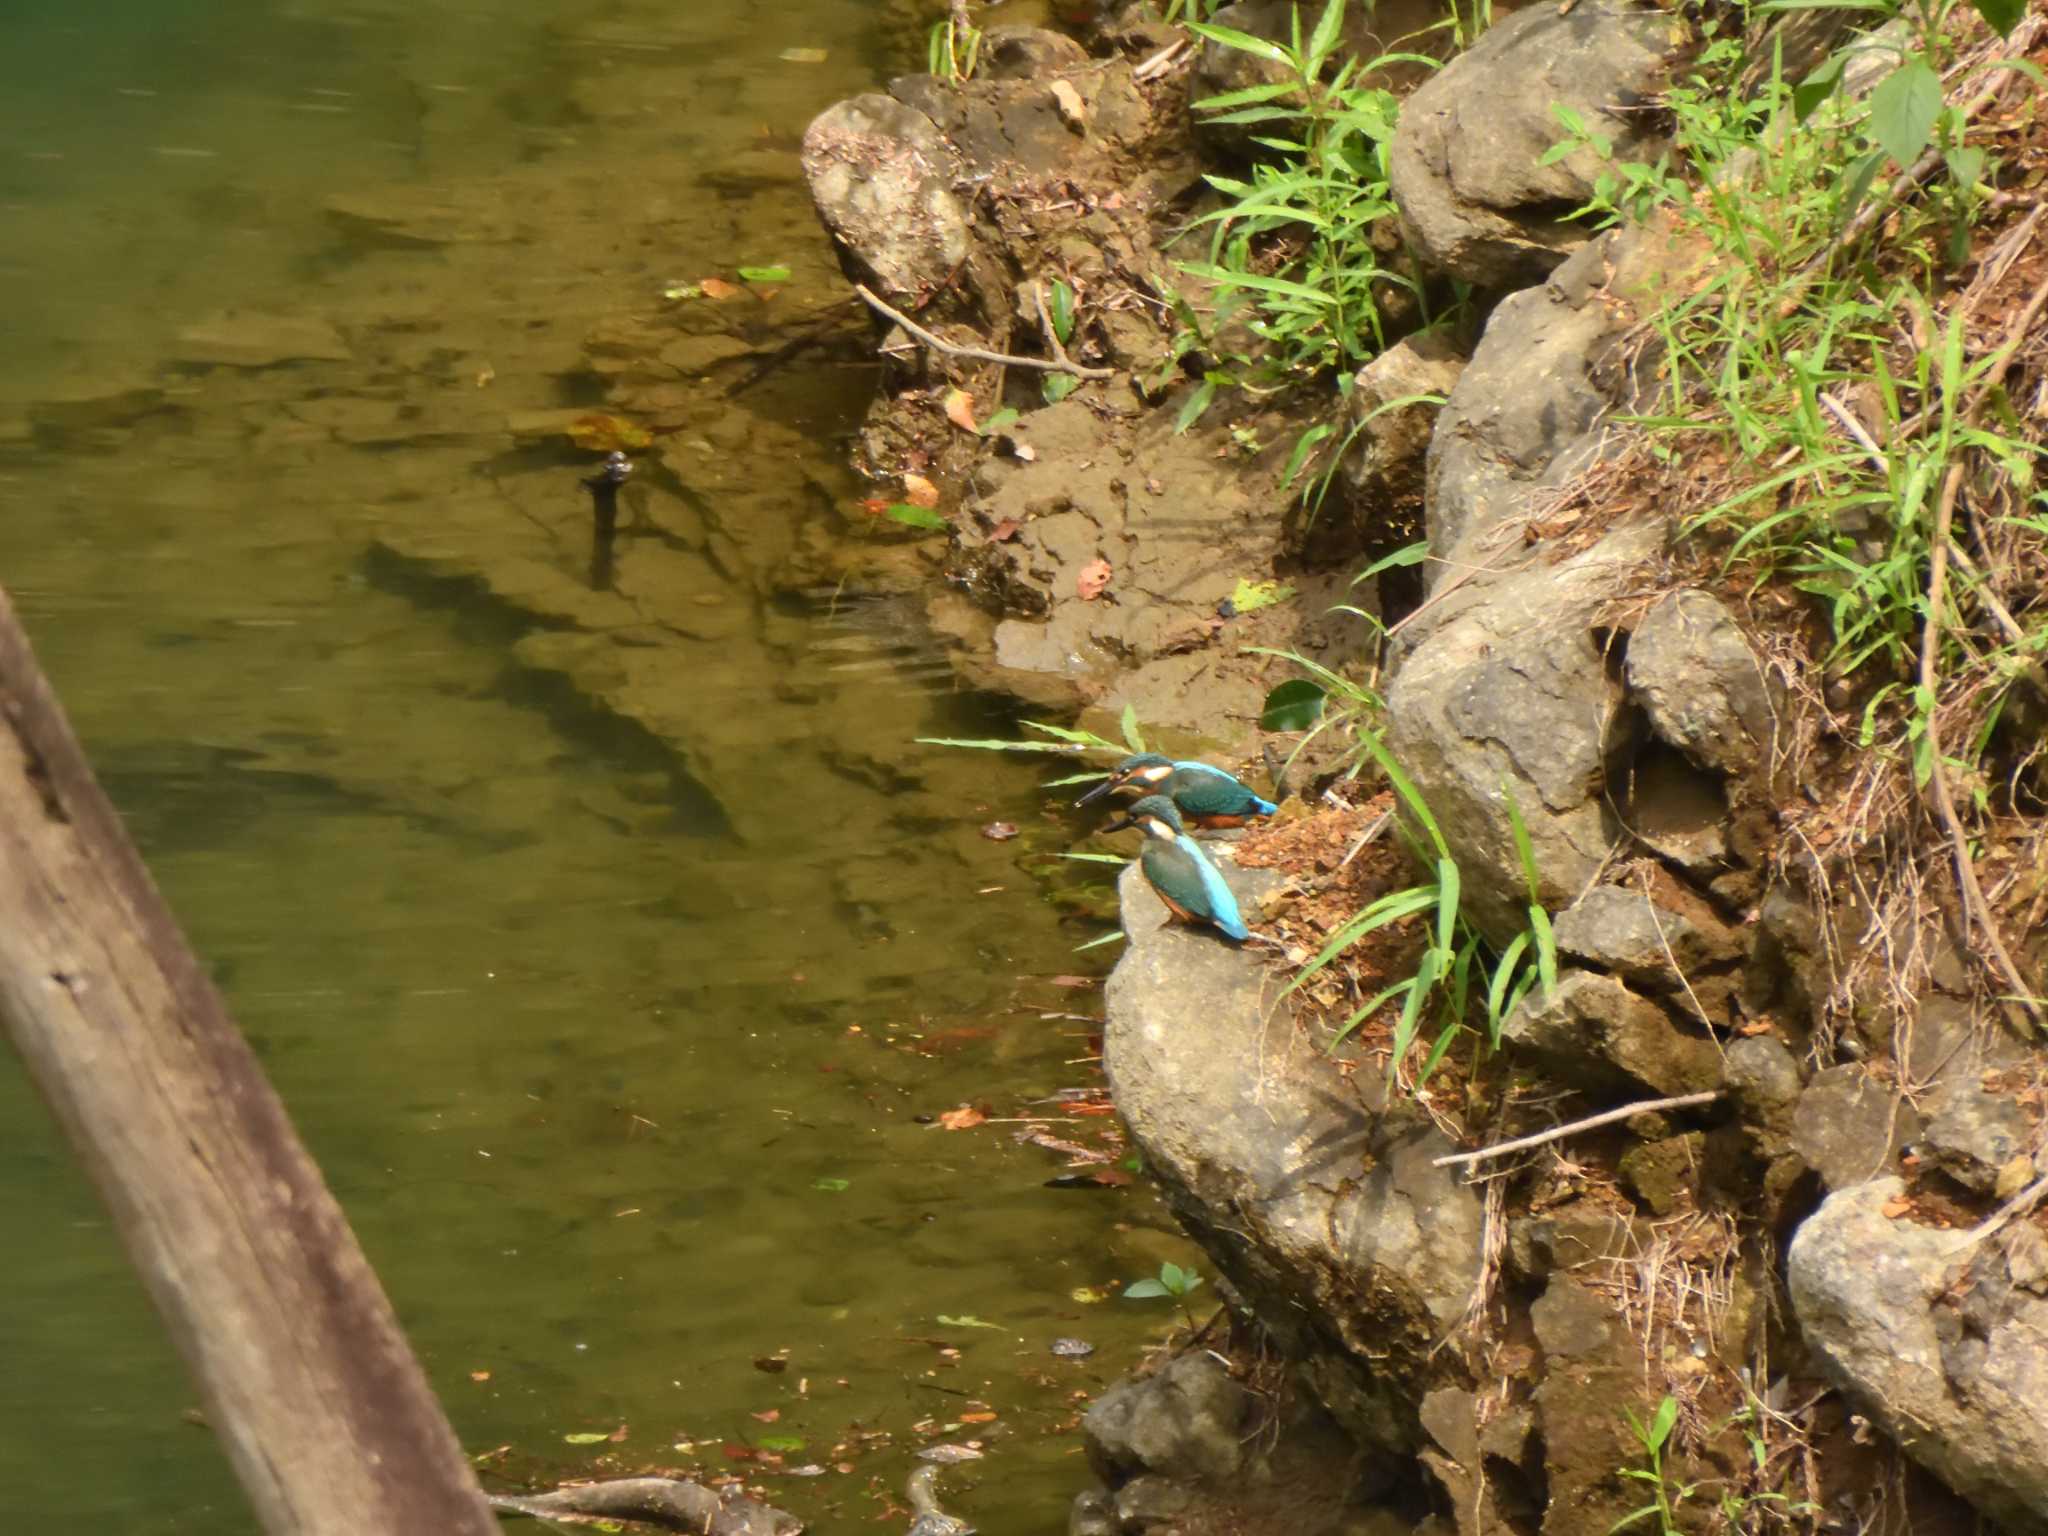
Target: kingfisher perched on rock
x=1203 y=794
x=1177 y=869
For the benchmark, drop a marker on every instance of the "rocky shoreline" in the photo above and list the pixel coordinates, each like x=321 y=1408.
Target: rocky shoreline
x=1810 y=1274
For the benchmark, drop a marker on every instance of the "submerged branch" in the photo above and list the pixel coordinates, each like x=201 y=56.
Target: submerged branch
x=668 y=1502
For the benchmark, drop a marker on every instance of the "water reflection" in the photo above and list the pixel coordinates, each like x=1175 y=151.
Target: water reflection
x=606 y=938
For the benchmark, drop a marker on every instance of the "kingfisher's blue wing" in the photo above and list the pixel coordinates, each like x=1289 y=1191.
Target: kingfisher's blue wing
x=1222 y=904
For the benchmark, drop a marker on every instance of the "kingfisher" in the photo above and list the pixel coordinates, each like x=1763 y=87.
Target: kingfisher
x=1177 y=869
x=1204 y=794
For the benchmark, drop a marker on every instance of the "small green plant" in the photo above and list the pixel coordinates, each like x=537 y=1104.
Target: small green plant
x=1172 y=1281
x=1666 y=1496
x=953 y=47
x=1294 y=247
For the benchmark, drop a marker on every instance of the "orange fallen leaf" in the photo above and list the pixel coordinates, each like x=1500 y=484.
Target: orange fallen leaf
x=618 y=1435
x=598 y=432
x=1092 y=580
x=479 y=1375
x=875 y=506
x=965 y=1118
x=919 y=491
x=977 y=1418
x=1896 y=1207
x=719 y=288
x=960 y=410
x=769 y=1415
x=1004 y=530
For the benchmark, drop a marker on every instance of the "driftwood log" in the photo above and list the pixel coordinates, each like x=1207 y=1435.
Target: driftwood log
x=323 y=1410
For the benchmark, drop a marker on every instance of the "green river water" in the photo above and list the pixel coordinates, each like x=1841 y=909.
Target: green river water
x=605 y=946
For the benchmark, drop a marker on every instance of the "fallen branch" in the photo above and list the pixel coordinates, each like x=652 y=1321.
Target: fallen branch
x=668 y=1502
x=1060 y=364
x=1591 y=1122
x=1976 y=910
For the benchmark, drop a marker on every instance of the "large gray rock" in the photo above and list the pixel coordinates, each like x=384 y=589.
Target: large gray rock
x=1595 y=1034
x=1512 y=697
x=1937 y=1344
x=1703 y=688
x=1622 y=930
x=1851 y=1128
x=1393 y=409
x=881 y=175
x=1322 y=1209
x=1187 y=1420
x=1525 y=413
x=1975 y=1135
x=1467 y=165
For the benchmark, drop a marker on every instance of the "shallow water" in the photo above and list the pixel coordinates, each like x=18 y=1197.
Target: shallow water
x=605 y=944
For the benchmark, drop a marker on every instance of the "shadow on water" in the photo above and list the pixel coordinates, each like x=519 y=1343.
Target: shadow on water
x=613 y=946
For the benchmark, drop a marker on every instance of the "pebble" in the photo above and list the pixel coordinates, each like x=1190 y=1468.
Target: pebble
x=1072 y=1349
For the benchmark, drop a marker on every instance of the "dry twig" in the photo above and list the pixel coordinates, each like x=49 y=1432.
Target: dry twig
x=1591 y=1122
x=1060 y=363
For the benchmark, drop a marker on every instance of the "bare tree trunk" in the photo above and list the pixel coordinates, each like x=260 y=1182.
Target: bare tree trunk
x=325 y=1413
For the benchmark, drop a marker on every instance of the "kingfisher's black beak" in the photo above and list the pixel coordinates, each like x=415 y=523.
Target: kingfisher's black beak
x=1118 y=824
x=1108 y=783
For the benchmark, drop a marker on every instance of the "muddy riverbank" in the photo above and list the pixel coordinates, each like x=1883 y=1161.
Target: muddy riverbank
x=1760 y=1067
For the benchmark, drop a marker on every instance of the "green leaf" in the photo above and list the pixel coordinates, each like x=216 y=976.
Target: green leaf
x=833 y=1186
x=1062 y=311
x=1243 y=42
x=1197 y=403
x=781 y=1442
x=1966 y=166
x=2003 y=15
x=1251 y=596
x=998 y=420
x=1144 y=1290
x=588 y=1437
x=777 y=274
x=1293 y=706
x=1057 y=386
x=1133 y=738
x=918 y=517
x=1903 y=110
x=1660 y=1426
x=1324 y=39
x=1110 y=937
x=966 y=1320
x=1523 y=851
x=1095 y=858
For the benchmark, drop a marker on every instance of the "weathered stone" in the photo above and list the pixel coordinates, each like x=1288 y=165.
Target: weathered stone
x=1850 y=1127
x=1594 y=1033
x=1028 y=53
x=1468 y=166
x=1975 y=1135
x=247 y=339
x=1186 y=1420
x=85 y=405
x=1389 y=453
x=1692 y=670
x=1512 y=697
x=1924 y=1330
x=412 y=215
x=1093 y=1514
x=1622 y=930
x=1147 y=1501
x=881 y=175
x=1324 y=1211
x=1764 y=1078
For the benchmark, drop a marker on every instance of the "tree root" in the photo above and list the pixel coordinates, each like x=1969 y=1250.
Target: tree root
x=668 y=1502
